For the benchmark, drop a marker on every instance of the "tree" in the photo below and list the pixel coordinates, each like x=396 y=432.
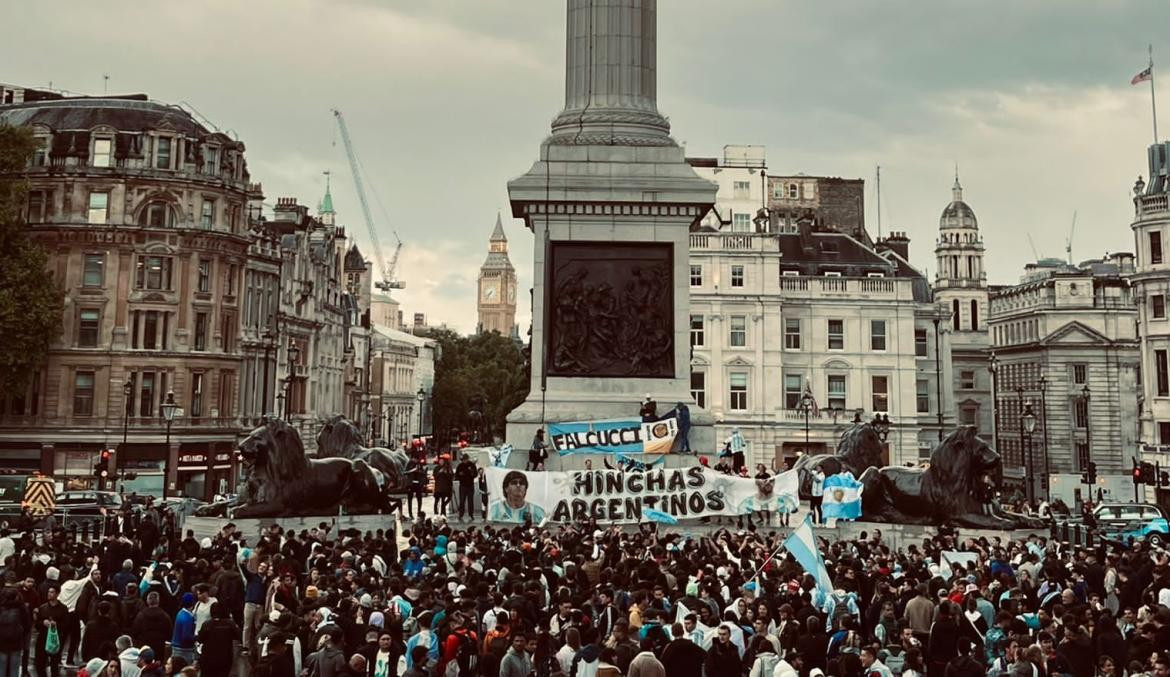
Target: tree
x=485 y=366
x=31 y=301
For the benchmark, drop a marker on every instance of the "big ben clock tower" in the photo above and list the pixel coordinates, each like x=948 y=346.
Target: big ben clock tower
x=497 y=286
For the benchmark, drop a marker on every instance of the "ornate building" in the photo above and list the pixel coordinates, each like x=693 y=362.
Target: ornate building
x=960 y=286
x=497 y=287
x=1064 y=342
x=144 y=212
x=796 y=307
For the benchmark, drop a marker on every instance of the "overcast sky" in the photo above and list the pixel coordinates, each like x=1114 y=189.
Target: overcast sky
x=447 y=100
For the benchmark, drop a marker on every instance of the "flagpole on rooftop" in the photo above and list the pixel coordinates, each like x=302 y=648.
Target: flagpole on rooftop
x=1153 y=100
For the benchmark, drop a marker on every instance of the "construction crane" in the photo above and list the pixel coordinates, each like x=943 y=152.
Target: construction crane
x=1069 y=241
x=388 y=280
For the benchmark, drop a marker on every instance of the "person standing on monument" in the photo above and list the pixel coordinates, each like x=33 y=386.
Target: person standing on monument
x=538 y=452
x=649 y=410
x=738 y=447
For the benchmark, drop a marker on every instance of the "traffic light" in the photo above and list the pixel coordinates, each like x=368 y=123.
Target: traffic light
x=1164 y=479
x=1090 y=474
x=1149 y=475
x=102 y=469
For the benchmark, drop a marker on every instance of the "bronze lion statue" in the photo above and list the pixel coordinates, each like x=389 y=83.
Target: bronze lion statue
x=278 y=480
x=339 y=438
x=859 y=449
x=963 y=469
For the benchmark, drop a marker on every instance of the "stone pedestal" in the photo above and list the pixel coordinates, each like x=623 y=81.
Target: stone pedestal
x=611 y=202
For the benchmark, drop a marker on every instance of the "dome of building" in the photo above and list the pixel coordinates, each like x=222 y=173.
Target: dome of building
x=958 y=214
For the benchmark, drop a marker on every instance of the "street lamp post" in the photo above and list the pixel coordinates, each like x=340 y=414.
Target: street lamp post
x=1027 y=427
x=127 y=393
x=280 y=405
x=1088 y=443
x=421 y=396
x=294 y=353
x=993 y=367
x=881 y=425
x=806 y=407
x=169 y=408
x=938 y=379
x=1046 y=479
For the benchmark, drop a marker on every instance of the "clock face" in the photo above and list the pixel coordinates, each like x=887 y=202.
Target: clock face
x=489 y=293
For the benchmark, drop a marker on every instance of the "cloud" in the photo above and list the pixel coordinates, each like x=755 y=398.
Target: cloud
x=448 y=99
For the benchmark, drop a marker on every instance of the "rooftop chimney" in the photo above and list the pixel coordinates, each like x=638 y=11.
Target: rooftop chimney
x=896 y=242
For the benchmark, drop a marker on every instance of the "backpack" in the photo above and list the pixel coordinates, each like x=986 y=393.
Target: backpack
x=466 y=657
x=840 y=611
x=894 y=658
x=11 y=632
x=498 y=646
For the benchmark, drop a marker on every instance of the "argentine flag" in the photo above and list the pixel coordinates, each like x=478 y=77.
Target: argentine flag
x=842 y=498
x=802 y=545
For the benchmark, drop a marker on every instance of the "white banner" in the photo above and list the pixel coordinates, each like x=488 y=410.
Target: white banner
x=614 y=496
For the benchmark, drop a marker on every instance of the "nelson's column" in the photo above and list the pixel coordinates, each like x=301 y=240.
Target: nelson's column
x=611 y=202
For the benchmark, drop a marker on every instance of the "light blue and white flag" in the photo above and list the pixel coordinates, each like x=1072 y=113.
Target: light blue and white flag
x=802 y=545
x=842 y=498
x=499 y=457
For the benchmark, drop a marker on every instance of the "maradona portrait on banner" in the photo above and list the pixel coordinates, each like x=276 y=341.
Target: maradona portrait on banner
x=514 y=506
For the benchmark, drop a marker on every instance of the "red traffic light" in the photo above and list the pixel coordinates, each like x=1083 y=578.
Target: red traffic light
x=1137 y=473
x=105 y=454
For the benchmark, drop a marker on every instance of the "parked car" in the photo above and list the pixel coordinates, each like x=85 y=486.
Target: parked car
x=1137 y=521
x=87 y=503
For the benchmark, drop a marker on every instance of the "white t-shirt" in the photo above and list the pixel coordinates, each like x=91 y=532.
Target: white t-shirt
x=564 y=657
x=203 y=612
x=382 y=664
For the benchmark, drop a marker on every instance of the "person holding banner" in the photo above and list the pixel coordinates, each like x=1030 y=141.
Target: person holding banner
x=538 y=453
x=514 y=506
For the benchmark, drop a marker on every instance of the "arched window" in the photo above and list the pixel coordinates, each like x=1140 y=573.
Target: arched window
x=157 y=214
x=974 y=315
x=955 y=314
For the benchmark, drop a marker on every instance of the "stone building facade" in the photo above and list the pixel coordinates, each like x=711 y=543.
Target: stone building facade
x=829 y=203
x=1064 y=329
x=144 y=212
x=403 y=365
x=801 y=307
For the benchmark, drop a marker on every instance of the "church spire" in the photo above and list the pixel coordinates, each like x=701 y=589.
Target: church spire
x=326 y=209
x=957 y=189
x=498 y=232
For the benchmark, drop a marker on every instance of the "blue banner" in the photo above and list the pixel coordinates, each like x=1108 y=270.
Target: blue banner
x=617 y=436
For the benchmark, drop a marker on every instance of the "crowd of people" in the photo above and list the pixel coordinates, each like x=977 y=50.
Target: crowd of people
x=579 y=600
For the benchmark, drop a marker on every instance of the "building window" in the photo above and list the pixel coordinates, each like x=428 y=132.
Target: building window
x=226 y=379
x=1158 y=306
x=697 y=330
x=956 y=319
x=1160 y=368
x=38 y=203
x=227 y=335
x=204 y=283
x=836 y=334
x=1155 y=247
x=967 y=380
x=153 y=272
x=737 y=276
x=155 y=328
x=793 y=390
x=696 y=275
x=200 y=331
x=207 y=215
x=791 y=334
x=877 y=335
x=699 y=387
x=92 y=270
x=162 y=154
x=233 y=273
x=738 y=337
x=793 y=191
x=88 y=325
x=38 y=158
x=920 y=343
x=83 y=393
x=837 y=394
x=157 y=214
x=738 y=395
x=881 y=393
x=742 y=189
x=197 y=394
x=146 y=394
x=922 y=388
x=101 y=152
x=974 y=315
x=210 y=160
x=1080 y=413
x=968 y=416
x=99 y=207
x=741 y=222
x=1163 y=432
x=1080 y=374
x=1082 y=456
